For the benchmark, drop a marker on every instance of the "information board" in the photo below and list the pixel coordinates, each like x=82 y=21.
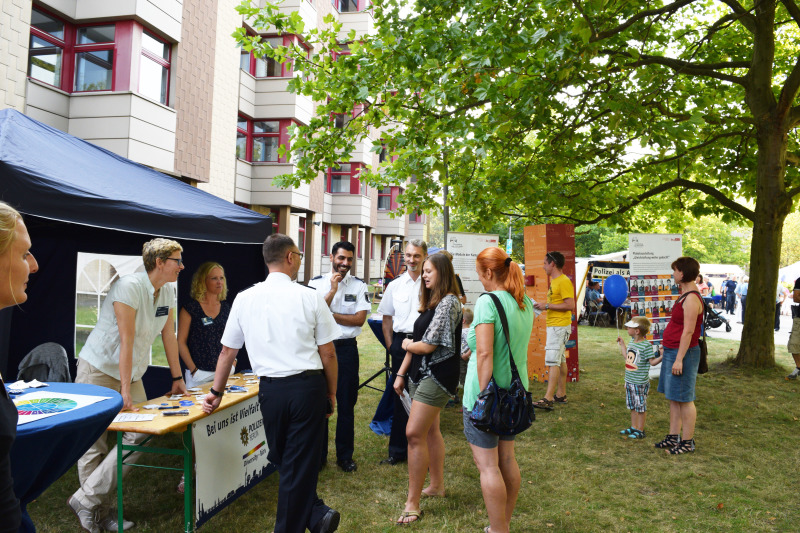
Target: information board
x=465 y=248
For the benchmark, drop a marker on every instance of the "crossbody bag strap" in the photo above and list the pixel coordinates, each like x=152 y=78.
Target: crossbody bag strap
x=504 y=323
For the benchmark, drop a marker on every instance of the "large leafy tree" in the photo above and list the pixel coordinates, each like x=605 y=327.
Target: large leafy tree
x=575 y=111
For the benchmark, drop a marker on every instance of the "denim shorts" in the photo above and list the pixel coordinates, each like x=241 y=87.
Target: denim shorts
x=482 y=439
x=679 y=388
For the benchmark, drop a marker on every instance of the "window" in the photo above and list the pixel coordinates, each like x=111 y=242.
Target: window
x=258 y=140
x=385 y=199
x=383 y=248
x=301 y=235
x=416 y=217
x=154 y=69
x=265 y=67
x=343 y=179
x=348 y=6
x=326 y=228
x=98 y=57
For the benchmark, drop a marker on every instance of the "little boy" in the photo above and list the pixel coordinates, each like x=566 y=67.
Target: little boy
x=637 y=380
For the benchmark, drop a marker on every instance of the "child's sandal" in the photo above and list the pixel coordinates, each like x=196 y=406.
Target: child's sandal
x=685 y=446
x=626 y=431
x=670 y=441
x=636 y=434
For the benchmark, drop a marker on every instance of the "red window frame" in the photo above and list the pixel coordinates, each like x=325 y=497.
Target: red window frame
x=301 y=235
x=393 y=193
x=286 y=69
x=326 y=228
x=356 y=187
x=359 y=5
x=126 y=46
x=250 y=135
x=416 y=217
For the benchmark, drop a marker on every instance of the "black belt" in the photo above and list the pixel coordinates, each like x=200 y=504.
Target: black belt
x=301 y=375
x=345 y=342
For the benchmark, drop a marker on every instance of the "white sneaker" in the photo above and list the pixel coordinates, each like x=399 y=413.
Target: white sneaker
x=794 y=375
x=86 y=515
x=109 y=522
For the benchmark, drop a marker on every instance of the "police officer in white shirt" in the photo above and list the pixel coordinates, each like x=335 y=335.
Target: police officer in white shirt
x=400 y=309
x=289 y=333
x=348 y=299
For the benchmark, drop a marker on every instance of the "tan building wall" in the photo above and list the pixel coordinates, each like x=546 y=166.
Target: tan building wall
x=194 y=89
x=222 y=172
x=15 y=21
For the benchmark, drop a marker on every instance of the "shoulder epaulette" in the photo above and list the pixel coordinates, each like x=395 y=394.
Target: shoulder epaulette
x=318 y=277
x=307 y=286
x=359 y=279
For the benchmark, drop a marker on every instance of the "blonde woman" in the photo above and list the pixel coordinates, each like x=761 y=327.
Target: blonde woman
x=201 y=323
x=16 y=264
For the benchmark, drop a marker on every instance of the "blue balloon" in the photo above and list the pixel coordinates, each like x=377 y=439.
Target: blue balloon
x=615 y=290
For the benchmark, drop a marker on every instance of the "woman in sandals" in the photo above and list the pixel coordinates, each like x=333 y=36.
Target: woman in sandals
x=493 y=454
x=681 y=353
x=431 y=369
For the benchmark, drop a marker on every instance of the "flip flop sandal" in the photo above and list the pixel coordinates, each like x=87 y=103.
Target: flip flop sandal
x=544 y=403
x=408 y=514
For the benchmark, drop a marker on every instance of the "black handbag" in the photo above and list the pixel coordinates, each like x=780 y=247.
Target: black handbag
x=503 y=411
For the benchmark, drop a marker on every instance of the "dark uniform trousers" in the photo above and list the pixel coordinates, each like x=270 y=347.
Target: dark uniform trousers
x=294 y=417
x=398 y=444
x=346 y=398
x=730 y=301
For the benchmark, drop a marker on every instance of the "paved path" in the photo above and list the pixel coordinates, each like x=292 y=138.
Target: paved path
x=781 y=336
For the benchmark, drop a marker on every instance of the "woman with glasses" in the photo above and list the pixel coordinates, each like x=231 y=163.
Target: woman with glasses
x=431 y=368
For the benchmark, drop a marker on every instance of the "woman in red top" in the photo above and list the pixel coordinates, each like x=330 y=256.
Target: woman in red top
x=681 y=353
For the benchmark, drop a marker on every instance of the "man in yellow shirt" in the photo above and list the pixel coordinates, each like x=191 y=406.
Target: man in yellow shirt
x=559 y=307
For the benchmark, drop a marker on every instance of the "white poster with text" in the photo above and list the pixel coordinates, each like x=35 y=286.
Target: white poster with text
x=465 y=248
x=651 y=254
x=231 y=456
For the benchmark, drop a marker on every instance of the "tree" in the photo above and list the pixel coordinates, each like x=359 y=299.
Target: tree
x=710 y=240
x=577 y=111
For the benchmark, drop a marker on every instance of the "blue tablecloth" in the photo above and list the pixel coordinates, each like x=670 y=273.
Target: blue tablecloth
x=382 y=421
x=45 y=449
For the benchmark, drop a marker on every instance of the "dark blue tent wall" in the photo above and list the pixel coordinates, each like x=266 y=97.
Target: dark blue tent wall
x=76 y=197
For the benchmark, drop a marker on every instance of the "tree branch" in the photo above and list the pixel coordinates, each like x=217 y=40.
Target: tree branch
x=748 y=20
x=694 y=69
x=639 y=16
x=793 y=10
x=790 y=87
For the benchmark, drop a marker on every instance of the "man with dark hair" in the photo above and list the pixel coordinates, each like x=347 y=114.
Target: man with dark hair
x=400 y=309
x=559 y=307
x=291 y=349
x=729 y=293
x=348 y=300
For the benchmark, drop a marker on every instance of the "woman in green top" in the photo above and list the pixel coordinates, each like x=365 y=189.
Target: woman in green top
x=493 y=454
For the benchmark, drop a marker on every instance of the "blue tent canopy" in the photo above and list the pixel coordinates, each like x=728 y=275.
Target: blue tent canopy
x=51 y=174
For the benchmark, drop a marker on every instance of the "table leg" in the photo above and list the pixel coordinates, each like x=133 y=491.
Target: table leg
x=188 y=482
x=119 y=477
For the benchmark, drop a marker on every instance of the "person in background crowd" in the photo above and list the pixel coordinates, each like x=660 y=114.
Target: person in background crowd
x=400 y=309
x=494 y=455
x=780 y=297
x=430 y=368
x=741 y=290
x=348 y=300
x=729 y=293
x=16 y=265
x=291 y=349
x=559 y=306
x=116 y=355
x=681 y=353
x=794 y=336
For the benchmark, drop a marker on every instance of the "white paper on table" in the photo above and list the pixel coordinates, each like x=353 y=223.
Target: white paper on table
x=406 y=399
x=41 y=404
x=22 y=384
x=133 y=417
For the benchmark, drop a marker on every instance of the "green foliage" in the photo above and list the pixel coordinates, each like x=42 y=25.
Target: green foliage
x=790 y=246
x=709 y=240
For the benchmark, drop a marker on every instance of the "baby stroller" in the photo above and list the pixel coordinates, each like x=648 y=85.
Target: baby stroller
x=713 y=319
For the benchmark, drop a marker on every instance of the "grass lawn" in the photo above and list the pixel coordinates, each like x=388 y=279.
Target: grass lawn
x=578 y=473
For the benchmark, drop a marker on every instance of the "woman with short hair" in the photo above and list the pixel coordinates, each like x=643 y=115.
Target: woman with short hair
x=681 y=350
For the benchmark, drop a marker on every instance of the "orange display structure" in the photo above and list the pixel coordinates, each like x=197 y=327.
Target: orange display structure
x=539 y=240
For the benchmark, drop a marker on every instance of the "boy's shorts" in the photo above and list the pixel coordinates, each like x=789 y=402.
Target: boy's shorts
x=636 y=396
x=556 y=346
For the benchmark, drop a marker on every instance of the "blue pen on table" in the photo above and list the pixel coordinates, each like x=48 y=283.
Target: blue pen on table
x=169 y=407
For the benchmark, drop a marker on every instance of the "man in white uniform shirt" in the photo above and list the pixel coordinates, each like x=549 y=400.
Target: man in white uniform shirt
x=348 y=301
x=400 y=309
x=137 y=308
x=289 y=333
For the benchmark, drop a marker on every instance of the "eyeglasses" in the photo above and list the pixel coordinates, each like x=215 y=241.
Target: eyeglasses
x=299 y=253
x=179 y=261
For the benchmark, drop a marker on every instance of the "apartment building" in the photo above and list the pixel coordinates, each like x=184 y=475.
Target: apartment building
x=162 y=83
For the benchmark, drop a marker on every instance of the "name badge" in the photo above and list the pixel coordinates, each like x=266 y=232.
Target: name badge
x=162 y=311
x=349 y=297
x=207 y=321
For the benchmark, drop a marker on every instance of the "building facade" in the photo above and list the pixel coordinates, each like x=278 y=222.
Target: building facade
x=163 y=83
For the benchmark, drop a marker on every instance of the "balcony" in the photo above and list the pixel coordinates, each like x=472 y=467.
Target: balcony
x=162 y=15
x=269 y=98
x=348 y=209
x=254 y=185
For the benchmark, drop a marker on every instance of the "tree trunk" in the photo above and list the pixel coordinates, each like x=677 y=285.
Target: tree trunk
x=757 y=348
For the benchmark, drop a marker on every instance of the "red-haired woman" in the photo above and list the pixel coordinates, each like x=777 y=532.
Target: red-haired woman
x=681 y=351
x=431 y=368
x=493 y=454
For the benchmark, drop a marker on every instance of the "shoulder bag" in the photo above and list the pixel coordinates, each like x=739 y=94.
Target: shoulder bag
x=503 y=411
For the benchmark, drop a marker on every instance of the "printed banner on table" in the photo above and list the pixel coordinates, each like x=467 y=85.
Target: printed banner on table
x=231 y=456
x=41 y=404
x=653 y=253
x=465 y=248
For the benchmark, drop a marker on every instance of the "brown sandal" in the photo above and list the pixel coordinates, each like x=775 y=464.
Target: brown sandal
x=417 y=515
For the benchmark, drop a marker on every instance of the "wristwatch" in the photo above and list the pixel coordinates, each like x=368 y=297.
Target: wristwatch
x=546 y=307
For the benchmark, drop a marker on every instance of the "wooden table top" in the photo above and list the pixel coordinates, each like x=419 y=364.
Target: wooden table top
x=161 y=424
